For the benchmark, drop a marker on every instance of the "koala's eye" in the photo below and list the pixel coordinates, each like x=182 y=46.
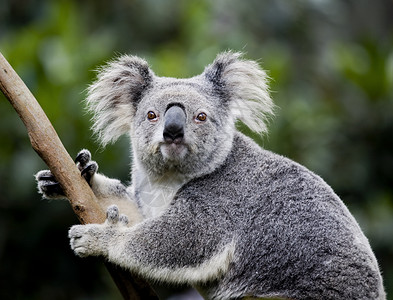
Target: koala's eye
x=201 y=117
x=151 y=115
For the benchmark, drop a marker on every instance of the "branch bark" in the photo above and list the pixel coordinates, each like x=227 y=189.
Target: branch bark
x=48 y=146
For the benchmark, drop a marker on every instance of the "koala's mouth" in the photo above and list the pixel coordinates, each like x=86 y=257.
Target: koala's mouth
x=173 y=150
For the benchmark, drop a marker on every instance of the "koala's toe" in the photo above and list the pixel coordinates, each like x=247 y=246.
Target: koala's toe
x=83 y=157
x=112 y=214
x=44 y=175
x=48 y=185
x=51 y=189
x=89 y=170
x=123 y=220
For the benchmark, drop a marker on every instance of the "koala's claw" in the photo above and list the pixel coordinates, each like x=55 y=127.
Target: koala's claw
x=113 y=218
x=45 y=175
x=89 y=170
x=123 y=220
x=83 y=157
x=48 y=185
x=51 y=188
x=87 y=167
x=112 y=214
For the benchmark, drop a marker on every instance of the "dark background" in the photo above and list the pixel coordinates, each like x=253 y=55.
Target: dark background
x=331 y=64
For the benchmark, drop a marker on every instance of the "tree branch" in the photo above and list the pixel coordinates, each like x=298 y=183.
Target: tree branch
x=47 y=144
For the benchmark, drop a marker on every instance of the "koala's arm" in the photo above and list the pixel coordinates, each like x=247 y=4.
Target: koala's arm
x=168 y=248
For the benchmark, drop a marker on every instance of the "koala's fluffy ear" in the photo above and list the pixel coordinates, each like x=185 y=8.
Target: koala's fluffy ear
x=242 y=85
x=114 y=96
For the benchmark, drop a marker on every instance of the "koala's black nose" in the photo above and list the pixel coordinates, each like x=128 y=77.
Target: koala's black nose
x=175 y=120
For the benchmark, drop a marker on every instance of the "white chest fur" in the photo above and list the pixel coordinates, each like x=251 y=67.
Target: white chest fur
x=155 y=195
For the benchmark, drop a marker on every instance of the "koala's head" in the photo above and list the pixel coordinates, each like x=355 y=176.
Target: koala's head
x=182 y=125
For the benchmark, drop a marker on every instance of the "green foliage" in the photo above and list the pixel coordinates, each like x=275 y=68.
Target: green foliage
x=331 y=69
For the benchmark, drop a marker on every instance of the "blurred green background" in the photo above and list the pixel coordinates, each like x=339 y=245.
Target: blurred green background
x=331 y=64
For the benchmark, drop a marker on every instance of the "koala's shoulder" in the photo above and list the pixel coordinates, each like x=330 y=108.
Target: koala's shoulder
x=251 y=171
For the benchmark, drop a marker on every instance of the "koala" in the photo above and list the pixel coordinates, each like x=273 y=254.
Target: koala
x=207 y=206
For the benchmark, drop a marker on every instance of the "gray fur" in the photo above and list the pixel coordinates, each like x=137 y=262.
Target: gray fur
x=219 y=213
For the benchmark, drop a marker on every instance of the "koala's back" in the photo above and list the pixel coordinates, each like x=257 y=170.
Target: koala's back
x=294 y=237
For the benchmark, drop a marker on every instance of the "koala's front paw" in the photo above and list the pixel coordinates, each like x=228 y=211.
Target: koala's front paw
x=87 y=239
x=51 y=188
x=93 y=239
x=48 y=185
x=87 y=166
